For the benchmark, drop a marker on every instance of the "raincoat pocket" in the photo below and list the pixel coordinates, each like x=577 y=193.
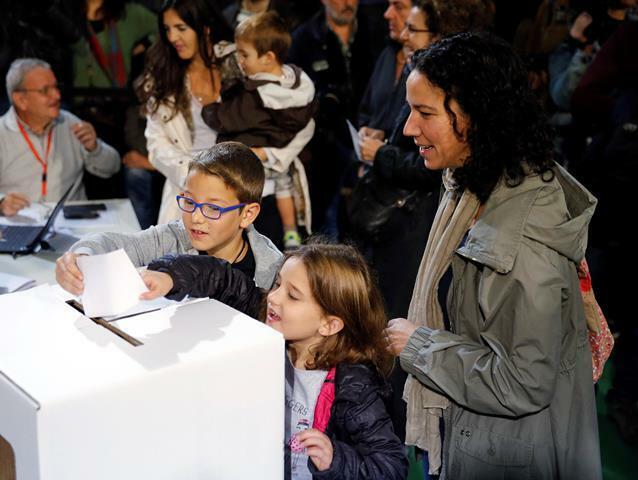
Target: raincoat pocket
x=480 y=455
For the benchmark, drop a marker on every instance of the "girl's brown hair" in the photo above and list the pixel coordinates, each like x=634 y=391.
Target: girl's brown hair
x=343 y=286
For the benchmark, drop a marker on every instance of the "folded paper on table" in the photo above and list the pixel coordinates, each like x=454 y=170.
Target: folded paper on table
x=112 y=285
x=13 y=283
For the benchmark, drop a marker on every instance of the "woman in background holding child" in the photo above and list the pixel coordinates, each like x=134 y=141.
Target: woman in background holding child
x=189 y=67
x=329 y=310
x=185 y=69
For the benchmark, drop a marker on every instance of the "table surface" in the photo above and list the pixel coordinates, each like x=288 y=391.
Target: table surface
x=41 y=266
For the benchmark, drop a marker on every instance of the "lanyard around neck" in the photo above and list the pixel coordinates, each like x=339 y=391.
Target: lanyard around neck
x=111 y=63
x=42 y=162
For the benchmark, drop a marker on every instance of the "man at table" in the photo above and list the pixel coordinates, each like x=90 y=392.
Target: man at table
x=43 y=149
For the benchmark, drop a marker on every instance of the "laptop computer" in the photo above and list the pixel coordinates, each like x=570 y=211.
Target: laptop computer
x=22 y=240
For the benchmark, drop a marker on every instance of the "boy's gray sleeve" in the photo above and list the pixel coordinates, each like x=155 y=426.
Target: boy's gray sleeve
x=141 y=247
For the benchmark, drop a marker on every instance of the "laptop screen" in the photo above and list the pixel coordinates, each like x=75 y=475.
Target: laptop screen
x=58 y=207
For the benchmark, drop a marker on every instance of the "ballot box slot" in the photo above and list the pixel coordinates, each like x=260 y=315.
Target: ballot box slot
x=103 y=323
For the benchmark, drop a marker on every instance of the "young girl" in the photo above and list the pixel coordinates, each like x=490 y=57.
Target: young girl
x=329 y=310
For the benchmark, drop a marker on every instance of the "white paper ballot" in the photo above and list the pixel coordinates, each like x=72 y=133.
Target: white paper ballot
x=354 y=135
x=111 y=284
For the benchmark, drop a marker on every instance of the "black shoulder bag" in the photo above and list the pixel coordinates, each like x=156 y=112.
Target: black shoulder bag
x=374 y=203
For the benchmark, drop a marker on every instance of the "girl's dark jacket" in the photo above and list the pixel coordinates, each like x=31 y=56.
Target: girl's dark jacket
x=363 y=440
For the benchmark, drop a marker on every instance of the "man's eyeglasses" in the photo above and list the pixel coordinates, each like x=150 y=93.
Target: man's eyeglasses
x=46 y=91
x=209 y=210
x=412 y=29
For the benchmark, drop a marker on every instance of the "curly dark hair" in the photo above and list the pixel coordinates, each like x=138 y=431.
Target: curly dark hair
x=508 y=134
x=444 y=17
x=165 y=70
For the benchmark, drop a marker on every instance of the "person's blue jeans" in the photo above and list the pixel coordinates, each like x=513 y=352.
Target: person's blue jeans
x=144 y=189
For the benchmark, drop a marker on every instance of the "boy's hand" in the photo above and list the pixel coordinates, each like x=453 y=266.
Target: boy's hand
x=158 y=284
x=318 y=447
x=68 y=274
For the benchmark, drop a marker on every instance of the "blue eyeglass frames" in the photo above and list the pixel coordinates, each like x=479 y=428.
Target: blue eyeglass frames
x=209 y=210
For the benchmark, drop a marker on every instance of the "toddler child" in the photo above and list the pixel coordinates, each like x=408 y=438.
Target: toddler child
x=269 y=109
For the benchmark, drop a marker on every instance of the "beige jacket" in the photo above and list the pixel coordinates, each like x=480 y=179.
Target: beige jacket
x=516 y=364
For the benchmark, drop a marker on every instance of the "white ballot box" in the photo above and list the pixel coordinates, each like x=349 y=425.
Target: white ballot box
x=202 y=397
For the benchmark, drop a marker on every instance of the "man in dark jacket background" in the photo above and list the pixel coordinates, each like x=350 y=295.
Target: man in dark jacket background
x=337 y=48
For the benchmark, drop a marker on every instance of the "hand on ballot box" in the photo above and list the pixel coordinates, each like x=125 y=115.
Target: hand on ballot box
x=158 y=284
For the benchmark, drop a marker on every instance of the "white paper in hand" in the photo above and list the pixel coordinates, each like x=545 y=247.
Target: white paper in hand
x=354 y=136
x=111 y=283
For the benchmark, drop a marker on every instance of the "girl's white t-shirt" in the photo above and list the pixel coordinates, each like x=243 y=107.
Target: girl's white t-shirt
x=302 y=390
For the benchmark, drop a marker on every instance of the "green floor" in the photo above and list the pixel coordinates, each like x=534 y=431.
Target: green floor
x=620 y=461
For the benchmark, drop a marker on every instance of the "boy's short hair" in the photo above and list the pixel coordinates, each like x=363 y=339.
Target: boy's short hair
x=238 y=167
x=267 y=32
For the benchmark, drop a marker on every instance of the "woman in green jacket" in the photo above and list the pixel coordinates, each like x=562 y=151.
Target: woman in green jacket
x=505 y=362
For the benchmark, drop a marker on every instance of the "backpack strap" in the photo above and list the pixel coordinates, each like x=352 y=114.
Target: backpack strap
x=324 y=402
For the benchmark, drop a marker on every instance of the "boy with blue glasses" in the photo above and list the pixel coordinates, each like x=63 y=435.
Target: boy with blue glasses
x=219 y=204
x=209 y=210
